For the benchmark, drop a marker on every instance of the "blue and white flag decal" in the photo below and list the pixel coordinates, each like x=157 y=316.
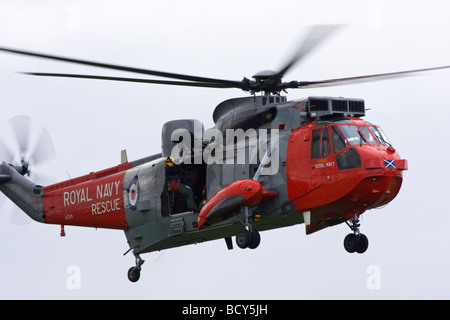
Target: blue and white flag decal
x=389 y=164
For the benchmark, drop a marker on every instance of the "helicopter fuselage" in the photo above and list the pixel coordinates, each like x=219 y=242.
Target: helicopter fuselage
x=332 y=165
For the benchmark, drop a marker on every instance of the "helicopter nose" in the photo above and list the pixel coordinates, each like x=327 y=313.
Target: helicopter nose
x=382 y=183
x=376 y=191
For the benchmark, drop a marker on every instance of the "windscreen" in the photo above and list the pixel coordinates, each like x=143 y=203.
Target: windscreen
x=368 y=135
x=344 y=139
x=343 y=135
x=380 y=135
x=352 y=134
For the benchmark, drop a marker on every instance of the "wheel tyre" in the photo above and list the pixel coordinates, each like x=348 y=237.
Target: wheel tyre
x=363 y=243
x=134 y=273
x=243 y=238
x=351 y=243
x=255 y=240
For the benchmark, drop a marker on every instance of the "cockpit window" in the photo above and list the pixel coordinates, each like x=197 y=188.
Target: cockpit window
x=368 y=135
x=381 y=136
x=338 y=139
x=352 y=134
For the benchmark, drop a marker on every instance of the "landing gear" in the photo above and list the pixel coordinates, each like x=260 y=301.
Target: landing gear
x=248 y=237
x=134 y=273
x=356 y=241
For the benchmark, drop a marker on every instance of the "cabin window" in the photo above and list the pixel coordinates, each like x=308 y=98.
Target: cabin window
x=320 y=143
x=316 y=143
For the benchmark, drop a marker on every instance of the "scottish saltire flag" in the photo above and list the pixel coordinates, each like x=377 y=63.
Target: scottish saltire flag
x=389 y=164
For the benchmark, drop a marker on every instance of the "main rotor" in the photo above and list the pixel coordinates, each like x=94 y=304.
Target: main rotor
x=269 y=82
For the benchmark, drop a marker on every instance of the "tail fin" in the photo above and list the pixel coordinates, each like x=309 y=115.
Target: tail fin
x=25 y=194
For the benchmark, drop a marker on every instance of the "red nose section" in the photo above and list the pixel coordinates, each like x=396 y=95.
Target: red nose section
x=371 y=192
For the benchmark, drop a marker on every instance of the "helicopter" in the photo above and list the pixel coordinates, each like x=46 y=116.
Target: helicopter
x=267 y=163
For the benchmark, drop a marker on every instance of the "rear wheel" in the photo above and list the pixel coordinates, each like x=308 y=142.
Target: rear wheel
x=134 y=273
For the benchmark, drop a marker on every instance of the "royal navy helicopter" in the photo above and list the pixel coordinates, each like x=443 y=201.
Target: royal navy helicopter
x=267 y=163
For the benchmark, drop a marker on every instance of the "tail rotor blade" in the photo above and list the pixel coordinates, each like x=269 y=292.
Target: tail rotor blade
x=5 y=154
x=21 y=127
x=44 y=149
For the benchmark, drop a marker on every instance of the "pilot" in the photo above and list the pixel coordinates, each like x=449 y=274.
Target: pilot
x=325 y=146
x=173 y=173
x=339 y=142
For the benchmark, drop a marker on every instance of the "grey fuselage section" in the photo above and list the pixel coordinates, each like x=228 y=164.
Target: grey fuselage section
x=155 y=224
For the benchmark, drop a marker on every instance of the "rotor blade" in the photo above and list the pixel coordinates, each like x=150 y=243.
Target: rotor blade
x=236 y=84
x=165 y=82
x=359 y=79
x=5 y=154
x=21 y=127
x=44 y=149
x=316 y=35
x=41 y=178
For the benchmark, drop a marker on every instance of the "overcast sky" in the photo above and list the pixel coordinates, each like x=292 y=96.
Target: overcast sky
x=91 y=121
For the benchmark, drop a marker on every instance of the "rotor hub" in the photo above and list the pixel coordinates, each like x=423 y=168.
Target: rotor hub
x=265 y=74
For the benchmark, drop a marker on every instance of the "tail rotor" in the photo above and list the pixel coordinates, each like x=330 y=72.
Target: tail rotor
x=28 y=148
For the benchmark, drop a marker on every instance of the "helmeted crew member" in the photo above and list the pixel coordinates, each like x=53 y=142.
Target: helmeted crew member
x=173 y=173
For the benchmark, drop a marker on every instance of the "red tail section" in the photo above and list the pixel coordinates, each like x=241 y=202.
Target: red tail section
x=95 y=200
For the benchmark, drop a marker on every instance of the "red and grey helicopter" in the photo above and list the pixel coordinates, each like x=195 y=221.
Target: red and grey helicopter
x=267 y=163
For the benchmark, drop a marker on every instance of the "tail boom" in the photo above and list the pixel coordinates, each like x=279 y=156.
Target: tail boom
x=95 y=200
x=24 y=193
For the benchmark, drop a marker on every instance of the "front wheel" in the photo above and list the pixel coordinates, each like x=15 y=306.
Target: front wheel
x=363 y=243
x=243 y=238
x=256 y=239
x=134 y=273
x=351 y=243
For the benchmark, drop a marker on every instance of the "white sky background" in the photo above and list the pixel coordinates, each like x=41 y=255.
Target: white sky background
x=91 y=121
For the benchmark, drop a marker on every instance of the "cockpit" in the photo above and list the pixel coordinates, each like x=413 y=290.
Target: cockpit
x=339 y=137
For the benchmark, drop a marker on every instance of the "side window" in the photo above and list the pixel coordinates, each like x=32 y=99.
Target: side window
x=325 y=147
x=316 y=144
x=320 y=143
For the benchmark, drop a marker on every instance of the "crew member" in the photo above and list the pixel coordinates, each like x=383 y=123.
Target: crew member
x=173 y=173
